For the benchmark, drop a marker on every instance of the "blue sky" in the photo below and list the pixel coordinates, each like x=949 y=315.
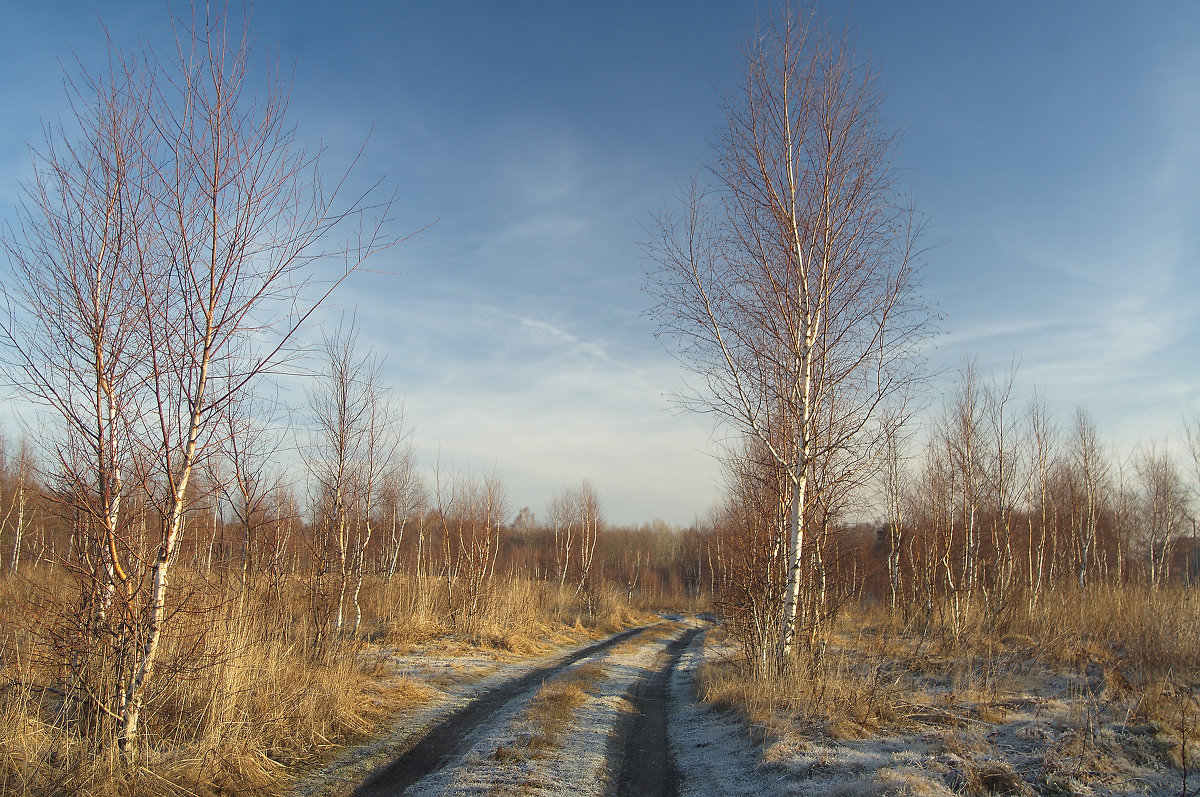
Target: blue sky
x=1052 y=146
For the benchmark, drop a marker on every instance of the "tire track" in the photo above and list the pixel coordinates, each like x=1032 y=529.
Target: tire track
x=647 y=766
x=449 y=738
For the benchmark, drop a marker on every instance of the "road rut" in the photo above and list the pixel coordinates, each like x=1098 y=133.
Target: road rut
x=450 y=737
x=614 y=743
x=647 y=766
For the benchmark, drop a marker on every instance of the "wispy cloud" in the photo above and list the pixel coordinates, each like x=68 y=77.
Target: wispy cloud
x=545 y=405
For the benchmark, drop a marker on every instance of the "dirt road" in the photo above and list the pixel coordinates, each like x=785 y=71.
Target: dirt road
x=647 y=766
x=518 y=738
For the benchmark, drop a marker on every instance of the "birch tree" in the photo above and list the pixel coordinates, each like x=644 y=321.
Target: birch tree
x=239 y=213
x=1090 y=478
x=247 y=476
x=787 y=281
x=576 y=522
x=562 y=520
x=471 y=514
x=894 y=486
x=16 y=470
x=590 y=524
x=1164 y=509
x=75 y=347
x=403 y=496
x=162 y=266
x=74 y=343
x=1043 y=439
x=357 y=439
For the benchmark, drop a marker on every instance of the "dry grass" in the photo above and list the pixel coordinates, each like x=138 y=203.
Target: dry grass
x=550 y=712
x=1084 y=691
x=517 y=615
x=254 y=707
x=246 y=701
x=848 y=694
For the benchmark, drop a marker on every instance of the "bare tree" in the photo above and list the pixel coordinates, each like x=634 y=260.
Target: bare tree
x=1164 y=509
x=17 y=472
x=789 y=284
x=962 y=431
x=1043 y=437
x=894 y=488
x=576 y=523
x=384 y=455
x=247 y=474
x=403 y=495
x=161 y=268
x=563 y=521
x=754 y=575
x=590 y=524
x=357 y=440
x=75 y=345
x=1191 y=436
x=239 y=212
x=470 y=513
x=73 y=334
x=1003 y=460
x=1090 y=472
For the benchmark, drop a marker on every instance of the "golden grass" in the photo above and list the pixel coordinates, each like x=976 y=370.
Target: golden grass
x=1130 y=654
x=551 y=711
x=848 y=693
x=1098 y=687
x=254 y=702
x=254 y=710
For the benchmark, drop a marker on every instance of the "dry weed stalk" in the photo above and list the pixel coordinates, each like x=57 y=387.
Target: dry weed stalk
x=551 y=712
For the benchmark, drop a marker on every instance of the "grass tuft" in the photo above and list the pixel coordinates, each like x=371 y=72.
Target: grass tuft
x=551 y=710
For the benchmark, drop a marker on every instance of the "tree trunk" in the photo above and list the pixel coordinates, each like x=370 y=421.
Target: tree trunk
x=794 y=574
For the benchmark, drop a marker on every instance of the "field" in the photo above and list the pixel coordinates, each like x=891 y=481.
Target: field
x=1092 y=694
x=1082 y=694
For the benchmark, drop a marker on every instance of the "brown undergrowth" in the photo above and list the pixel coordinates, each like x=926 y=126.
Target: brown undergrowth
x=1078 y=692
x=252 y=694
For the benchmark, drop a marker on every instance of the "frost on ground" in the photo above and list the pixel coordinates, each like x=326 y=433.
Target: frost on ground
x=556 y=737
x=713 y=751
x=1028 y=728
x=511 y=754
x=442 y=678
x=1008 y=723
